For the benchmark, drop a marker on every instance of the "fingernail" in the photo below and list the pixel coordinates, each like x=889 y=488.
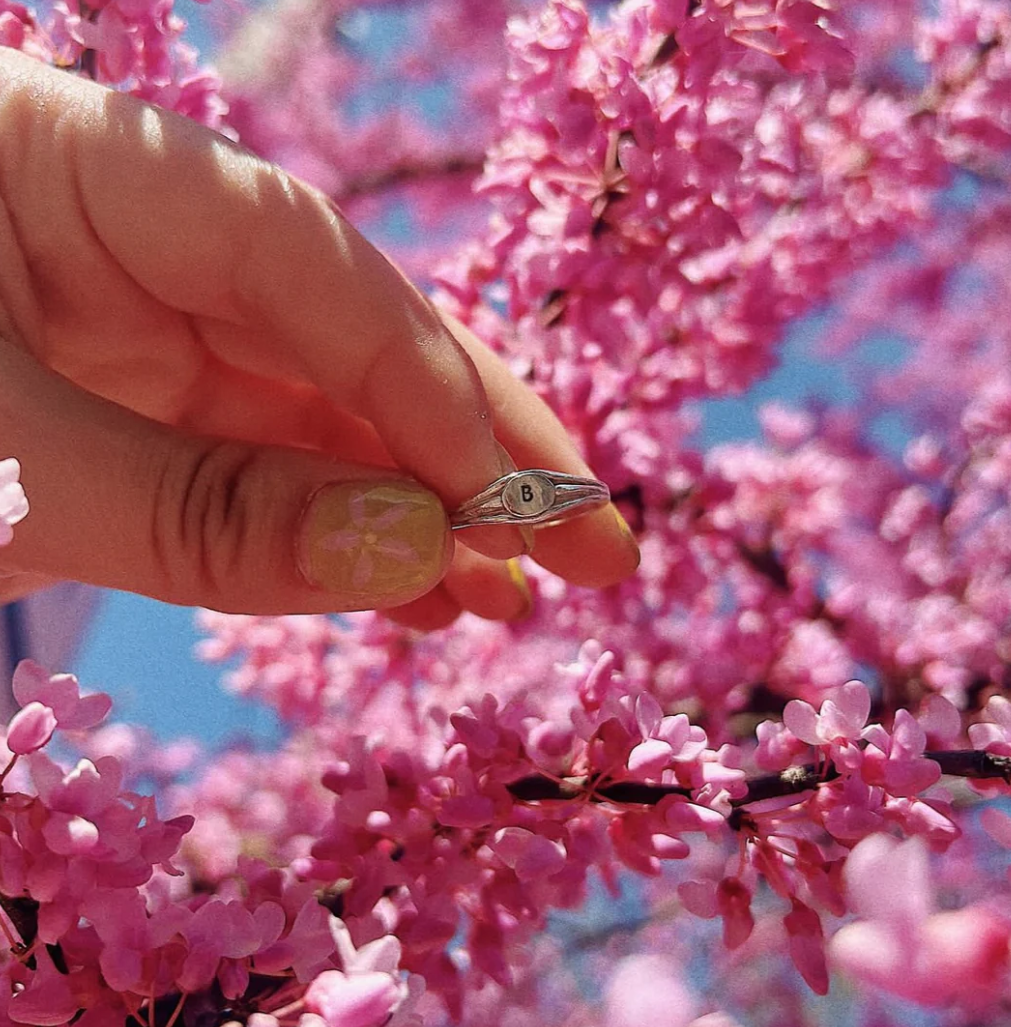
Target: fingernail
x=374 y=543
x=506 y=462
x=519 y=579
x=626 y=533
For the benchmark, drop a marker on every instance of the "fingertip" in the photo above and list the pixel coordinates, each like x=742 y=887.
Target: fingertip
x=597 y=550
x=432 y=612
x=499 y=542
x=492 y=589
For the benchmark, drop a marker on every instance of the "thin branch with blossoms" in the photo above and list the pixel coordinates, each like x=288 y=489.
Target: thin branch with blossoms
x=966 y=763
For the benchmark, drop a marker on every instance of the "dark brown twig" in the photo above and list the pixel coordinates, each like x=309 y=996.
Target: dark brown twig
x=966 y=763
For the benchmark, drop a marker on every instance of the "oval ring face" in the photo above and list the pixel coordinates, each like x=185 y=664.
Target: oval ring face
x=528 y=495
x=534 y=496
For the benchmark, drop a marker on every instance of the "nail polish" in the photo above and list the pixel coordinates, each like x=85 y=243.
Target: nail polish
x=626 y=533
x=374 y=543
x=519 y=579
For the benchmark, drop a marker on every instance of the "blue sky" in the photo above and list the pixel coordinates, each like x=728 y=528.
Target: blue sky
x=141 y=652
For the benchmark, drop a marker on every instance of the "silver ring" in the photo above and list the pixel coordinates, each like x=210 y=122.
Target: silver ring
x=532 y=497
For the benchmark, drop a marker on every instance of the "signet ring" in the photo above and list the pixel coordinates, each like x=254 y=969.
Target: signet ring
x=532 y=496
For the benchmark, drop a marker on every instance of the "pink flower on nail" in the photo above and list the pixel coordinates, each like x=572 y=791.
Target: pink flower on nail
x=367 y=536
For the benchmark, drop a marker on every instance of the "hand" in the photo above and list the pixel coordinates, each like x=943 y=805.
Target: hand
x=221 y=395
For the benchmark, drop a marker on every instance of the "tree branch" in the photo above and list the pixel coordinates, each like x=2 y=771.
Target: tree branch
x=404 y=174
x=23 y=913
x=967 y=763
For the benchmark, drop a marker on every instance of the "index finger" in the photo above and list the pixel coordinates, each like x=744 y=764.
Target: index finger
x=216 y=233
x=595 y=550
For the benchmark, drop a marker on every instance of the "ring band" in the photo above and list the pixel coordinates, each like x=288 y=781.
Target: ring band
x=532 y=497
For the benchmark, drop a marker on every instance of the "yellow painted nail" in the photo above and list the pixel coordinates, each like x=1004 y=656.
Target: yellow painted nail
x=376 y=543
x=519 y=579
x=626 y=532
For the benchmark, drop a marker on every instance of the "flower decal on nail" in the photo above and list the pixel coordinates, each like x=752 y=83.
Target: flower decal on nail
x=378 y=542
x=368 y=535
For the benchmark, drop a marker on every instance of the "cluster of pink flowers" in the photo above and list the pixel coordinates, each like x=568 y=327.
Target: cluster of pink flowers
x=499 y=811
x=388 y=106
x=669 y=186
x=100 y=928
x=133 y=45
x=767 y=191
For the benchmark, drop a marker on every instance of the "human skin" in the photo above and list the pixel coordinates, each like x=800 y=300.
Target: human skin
x=193 y=346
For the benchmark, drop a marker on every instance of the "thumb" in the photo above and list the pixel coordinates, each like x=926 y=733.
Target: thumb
x=124 y=502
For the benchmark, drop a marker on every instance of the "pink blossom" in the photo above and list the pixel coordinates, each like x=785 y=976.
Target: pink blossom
x=362 y=1000
x=895 y=761
x=59 y=693
x=778 y=746
x=940 y=722
x=647 y=989
x=807 y=945
x=667 y=740
x=530 y=855
x=840 y=720
x=48 y=1000
x=994 y=733
x=900 y=945
x=30 y=728
x=13 y=504
x=220 y=931
x=733 y=901
x=787 y=427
